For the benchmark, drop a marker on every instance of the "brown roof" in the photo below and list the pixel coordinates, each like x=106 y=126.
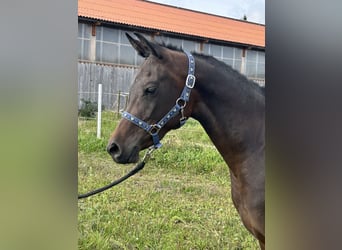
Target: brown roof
x=166 y=18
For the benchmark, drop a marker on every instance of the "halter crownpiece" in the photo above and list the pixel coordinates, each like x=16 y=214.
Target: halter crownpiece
x=181 y=102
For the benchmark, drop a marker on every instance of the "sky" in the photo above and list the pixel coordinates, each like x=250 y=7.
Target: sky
x=254 y=9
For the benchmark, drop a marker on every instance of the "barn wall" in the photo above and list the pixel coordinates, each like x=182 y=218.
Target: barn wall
x=114 y=79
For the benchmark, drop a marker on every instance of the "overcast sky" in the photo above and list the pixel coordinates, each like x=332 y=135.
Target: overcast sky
x=254 y=9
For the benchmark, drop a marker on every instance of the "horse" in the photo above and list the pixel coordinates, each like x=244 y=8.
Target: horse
x=173 y=85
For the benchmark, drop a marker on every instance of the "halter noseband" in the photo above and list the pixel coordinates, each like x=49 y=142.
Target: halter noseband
x=181 y=102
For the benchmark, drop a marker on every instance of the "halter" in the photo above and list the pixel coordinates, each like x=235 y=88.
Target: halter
x=154 y=129
x=181 y=102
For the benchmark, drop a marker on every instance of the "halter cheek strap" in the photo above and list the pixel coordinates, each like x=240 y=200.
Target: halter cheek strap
x=181 y=102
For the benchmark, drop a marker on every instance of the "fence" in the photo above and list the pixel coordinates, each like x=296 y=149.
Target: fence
x=259 y=81
x=115 y=80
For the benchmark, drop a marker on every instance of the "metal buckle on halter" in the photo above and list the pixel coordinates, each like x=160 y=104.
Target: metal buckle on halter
x=181 y=103
x=154 y=129
x=190 y=81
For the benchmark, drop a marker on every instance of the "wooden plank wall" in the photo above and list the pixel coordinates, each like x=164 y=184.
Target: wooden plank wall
x=114 y=79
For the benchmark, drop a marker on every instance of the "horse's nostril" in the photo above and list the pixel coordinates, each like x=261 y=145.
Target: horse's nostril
x=113 y=149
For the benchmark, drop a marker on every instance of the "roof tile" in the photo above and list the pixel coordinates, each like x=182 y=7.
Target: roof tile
x=160 y=17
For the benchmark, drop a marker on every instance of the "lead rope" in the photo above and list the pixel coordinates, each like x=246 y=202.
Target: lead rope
x=135 y=170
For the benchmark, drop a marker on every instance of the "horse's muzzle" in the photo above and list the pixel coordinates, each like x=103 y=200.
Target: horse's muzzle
x=121 y=156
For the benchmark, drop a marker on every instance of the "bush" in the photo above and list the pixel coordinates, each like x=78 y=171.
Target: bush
x=88 y=109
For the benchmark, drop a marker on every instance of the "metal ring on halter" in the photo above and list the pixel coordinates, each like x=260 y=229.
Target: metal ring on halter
x=154 y=129
x=178 y=102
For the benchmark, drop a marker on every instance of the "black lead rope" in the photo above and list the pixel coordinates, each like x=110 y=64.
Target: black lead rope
x=135 y=170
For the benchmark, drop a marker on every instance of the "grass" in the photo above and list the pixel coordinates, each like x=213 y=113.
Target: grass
x=180 y=200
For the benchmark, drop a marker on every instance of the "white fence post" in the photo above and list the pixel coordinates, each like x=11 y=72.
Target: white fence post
x=99 y=110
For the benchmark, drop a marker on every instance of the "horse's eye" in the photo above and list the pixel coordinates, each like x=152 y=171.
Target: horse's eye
x=150 y=90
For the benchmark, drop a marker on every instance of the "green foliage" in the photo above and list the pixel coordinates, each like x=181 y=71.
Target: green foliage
x=88 y=109
x=180 y=200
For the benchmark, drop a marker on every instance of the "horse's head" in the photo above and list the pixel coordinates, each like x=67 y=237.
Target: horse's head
x=156 y=88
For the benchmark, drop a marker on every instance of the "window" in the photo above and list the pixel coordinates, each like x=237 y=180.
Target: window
x=186 y=45
x=175 y=42
x=189 y=46
x=255 y=64
x=251 y=68
x=261 y=65
x=108 y=35
x=216 y=51
x=228 y=52
x=124 y=39
x=127 y=55
x=107 y=47
x=251 y=55
x=261 y=71
x=84 y=33
x=112 y=46
x=237 y=65
x=237 y=59
x=230 y=55
x=206 y=49
x=107 y=52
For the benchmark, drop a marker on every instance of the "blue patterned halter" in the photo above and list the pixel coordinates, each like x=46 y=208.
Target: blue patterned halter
x=153 y=129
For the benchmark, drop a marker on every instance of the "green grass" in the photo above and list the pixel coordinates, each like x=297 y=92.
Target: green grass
x=180 y=200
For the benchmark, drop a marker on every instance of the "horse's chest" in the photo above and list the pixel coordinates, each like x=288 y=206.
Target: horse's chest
x=238 y=193
x=247 y=203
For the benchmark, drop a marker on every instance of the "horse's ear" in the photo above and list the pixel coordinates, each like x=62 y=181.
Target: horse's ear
x=155 y=49
x=144 y=47
x=138 y=46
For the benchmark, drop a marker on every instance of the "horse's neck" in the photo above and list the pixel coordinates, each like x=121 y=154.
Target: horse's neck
x=231 y=113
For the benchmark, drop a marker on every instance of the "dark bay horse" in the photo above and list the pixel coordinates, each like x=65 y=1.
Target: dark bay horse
x=230 y=108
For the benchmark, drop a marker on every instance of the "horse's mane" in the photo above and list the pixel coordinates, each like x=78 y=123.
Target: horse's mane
x=171 y=46
x=219 y=65
x=230 y=70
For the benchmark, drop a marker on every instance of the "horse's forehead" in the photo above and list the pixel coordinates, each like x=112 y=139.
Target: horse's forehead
x=150 y=70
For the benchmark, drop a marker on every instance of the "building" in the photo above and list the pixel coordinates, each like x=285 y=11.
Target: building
x=106 y=56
